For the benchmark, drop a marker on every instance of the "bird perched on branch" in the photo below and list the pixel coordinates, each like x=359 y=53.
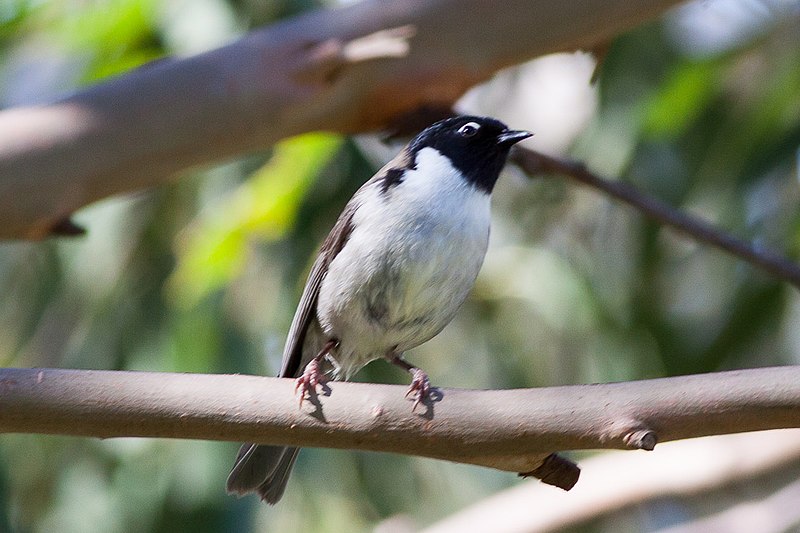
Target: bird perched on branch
x=391 y=274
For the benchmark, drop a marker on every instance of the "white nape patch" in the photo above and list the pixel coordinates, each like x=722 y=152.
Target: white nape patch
x=435 y=191
x=436 y=175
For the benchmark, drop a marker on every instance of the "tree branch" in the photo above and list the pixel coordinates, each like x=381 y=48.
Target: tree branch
x=349 y=70
x=512 y=430
x=534 y=162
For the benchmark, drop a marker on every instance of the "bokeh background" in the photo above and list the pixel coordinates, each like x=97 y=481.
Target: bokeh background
x=700 y=109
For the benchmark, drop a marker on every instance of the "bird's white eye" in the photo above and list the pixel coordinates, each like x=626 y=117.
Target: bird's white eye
x=469 y=129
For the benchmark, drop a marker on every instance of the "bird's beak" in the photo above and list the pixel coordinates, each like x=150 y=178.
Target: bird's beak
x=507 y=138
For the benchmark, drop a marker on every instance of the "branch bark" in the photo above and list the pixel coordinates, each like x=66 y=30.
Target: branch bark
x=348 y=70
x=510 y=430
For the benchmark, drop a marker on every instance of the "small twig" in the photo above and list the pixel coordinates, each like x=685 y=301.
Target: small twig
x=557 y=471
x=779 y=266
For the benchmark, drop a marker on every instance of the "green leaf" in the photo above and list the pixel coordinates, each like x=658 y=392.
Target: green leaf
x=681 y=99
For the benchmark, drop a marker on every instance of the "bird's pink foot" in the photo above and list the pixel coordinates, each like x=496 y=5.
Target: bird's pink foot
x=307 y=383
x=420 y=387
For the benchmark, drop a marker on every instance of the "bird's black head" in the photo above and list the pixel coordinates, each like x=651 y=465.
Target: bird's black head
x=477 y=146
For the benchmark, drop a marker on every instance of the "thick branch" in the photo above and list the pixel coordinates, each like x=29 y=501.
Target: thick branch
x=510 y=430
x=348 y=70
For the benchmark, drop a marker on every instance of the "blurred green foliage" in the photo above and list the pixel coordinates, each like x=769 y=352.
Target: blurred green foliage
x=203 y=275
x=262 y=208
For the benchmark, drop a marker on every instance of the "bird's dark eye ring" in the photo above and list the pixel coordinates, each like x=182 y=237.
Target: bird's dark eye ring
x=469 y=129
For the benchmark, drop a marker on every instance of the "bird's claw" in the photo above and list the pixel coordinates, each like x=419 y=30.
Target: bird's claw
x=420 y=387
x=307 y=383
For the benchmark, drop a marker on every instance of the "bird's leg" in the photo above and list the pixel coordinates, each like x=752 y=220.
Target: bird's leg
x=312 y=375
x=420 y=384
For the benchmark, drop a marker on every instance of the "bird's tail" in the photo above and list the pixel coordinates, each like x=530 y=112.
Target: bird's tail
x=262 y=469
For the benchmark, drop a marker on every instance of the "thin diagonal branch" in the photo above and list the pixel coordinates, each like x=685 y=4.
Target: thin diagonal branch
x=777 y=265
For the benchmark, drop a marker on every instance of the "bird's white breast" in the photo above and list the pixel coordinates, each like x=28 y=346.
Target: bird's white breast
x=408 y=264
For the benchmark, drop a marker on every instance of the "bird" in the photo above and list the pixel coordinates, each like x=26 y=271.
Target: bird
x=391 y=274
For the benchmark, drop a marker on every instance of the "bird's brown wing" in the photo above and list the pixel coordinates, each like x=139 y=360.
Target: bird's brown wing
x=306 y=309
x=386 y=177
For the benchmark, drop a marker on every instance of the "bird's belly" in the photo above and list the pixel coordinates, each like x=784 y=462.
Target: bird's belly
x=393 y=293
